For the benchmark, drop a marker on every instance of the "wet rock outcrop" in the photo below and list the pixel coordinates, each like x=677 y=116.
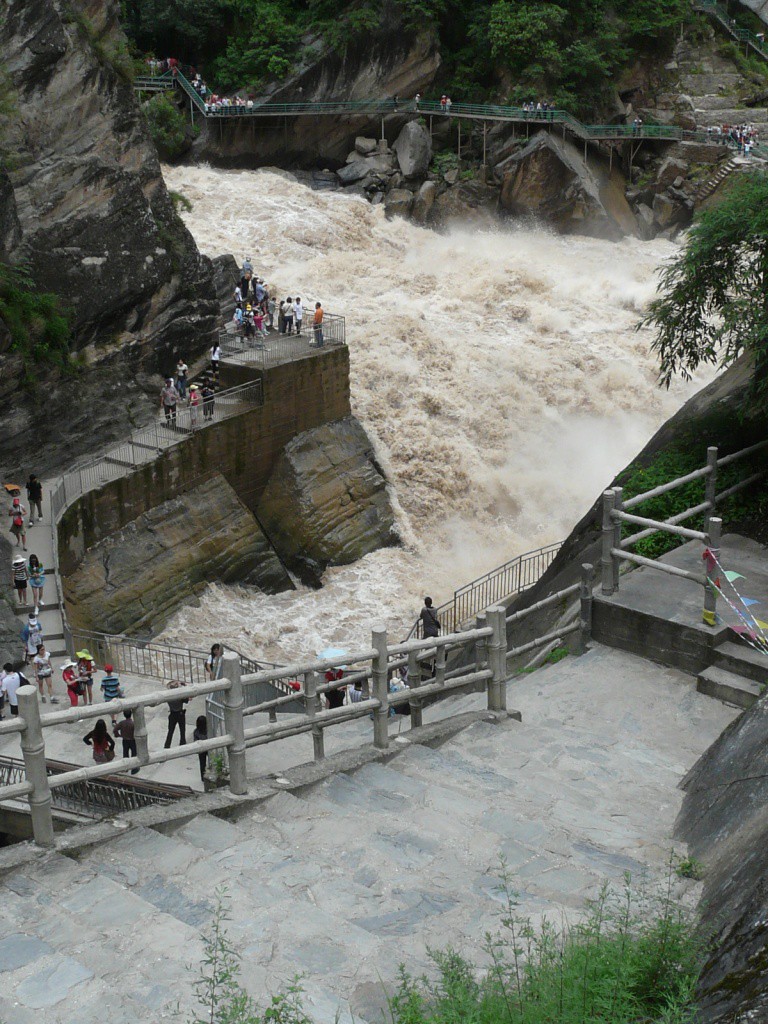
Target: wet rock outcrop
x=723 y=821
x=84 y=206
x=413 y=148
x=326 y=502
x=135 y=579
x=386 y=62
x=550 y=179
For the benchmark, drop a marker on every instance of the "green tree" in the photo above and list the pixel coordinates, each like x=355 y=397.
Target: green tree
x=713 y=301
x=167 y=126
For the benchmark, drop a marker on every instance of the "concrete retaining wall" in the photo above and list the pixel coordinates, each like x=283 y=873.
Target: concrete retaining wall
x=298 y=396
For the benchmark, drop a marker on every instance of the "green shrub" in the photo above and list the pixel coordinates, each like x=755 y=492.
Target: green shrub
x=689 y=867
x=180 y=201
x=167 y=126
x=631 y=959
x=37 y=321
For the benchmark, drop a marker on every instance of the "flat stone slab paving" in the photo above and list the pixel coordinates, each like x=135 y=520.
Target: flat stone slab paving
x=345 y=879
x=678 y=600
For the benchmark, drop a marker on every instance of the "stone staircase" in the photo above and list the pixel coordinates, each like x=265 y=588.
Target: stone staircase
x=715 y=88
x=737 y=675
x=711 y=184
x=343 y=879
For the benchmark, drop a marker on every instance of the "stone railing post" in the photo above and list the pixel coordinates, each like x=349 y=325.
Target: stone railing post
x=140 y=735
x=585 y=609
x=713 y=530
x=312 y=706
x=33 y=751
x=234 y=702
x=618 y=505
x=481 y=650
x=380 y=688
x=497 y=657
x=710 y=481
x=606 y=558
x=414 y=682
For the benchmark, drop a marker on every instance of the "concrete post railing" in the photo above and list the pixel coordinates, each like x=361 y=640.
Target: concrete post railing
x=606 y=557
x=312 y=706
x=234 y=702
x=414 y=682
x=710 y=482
x=497 y=656
x=618 y=505
x=714 y=528
x=585 y=607
x=379 y=674
x=481 y=650
x=140 y=735
x=33 y=750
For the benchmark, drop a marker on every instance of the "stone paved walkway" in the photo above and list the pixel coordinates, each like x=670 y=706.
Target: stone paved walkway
x=362 y=871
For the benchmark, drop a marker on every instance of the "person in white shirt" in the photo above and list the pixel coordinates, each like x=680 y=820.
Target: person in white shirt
x=10 y=684
x=44 y=673
x=298 y=313
x=215 y=357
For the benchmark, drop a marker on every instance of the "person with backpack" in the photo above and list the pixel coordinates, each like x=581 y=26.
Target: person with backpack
x=32 y=636
x=35 y=498
x=288 y=316
x=429 y=620
x=17 y=512
x=19 y=577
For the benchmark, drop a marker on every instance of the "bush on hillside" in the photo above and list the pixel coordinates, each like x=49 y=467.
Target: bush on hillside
x=167 y=126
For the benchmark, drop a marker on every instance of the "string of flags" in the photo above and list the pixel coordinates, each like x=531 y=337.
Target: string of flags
x=751 y=629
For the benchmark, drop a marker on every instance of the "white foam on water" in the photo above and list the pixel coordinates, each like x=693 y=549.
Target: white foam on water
x=498 y=372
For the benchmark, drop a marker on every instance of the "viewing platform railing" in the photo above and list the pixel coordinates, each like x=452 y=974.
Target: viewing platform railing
x=278 y=348
x=486 y=655
x=615 y=515
x=743 y=35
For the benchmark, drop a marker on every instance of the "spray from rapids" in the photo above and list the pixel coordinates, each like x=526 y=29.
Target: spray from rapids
x=498 y=372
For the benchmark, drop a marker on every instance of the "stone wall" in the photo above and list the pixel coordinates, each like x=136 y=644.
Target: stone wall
x=133 y=580
x=244 y=449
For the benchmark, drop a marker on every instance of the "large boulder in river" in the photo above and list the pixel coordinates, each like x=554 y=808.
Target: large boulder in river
x=326 y=502
x=423 y=202
x=413 y=147
x=550 y=179
x=468 y=202
x=379 y=163
x=398 y=202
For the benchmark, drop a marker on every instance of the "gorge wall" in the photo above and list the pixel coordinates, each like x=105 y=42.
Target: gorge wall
x=292 y=482
x=83 y=205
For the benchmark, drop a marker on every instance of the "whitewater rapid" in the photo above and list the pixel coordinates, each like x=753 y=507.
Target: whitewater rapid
x=498 y=373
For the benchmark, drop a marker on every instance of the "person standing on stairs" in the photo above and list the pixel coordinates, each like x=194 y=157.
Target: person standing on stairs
x=44 y=673
x=177 y=716
x=35 y=498
x=17 y=512
x=32 y=635
x=429 y=619
x=20 y=576
x=36 y=574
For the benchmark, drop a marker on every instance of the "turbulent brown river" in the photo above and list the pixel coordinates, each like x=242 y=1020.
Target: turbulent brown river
x=498 y=373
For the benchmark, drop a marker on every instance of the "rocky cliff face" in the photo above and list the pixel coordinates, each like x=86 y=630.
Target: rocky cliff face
x=84 y=205
x=134 y=580
x=723 y=821
x=326 y=502
x=389 y=62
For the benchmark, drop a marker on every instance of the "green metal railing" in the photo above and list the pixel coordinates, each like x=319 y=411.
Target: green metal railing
x=471 y=111
x=743 y=35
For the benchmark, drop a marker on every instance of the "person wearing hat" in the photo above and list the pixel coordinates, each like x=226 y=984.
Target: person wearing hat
x=69 y=675
x=110 y=687
x=17 y=512
x=32 y=635
x=19 y=577
x=85 y=670
x=169 y=397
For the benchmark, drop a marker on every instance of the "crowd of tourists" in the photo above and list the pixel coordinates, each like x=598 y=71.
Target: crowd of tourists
x=743 y=136
x=257 y=311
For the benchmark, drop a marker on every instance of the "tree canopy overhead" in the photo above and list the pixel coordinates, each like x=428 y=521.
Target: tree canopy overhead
x=713 y=297
x=491 y=49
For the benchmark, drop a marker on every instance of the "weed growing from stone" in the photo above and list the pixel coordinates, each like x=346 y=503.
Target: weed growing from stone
x=631 y=958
